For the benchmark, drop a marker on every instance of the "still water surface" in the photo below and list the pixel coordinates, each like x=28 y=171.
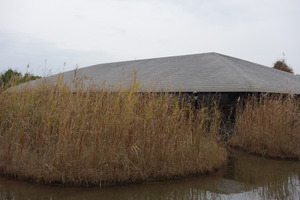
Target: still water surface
x=248 y=177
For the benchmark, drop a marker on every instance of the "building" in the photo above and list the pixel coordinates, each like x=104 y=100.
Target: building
x=197 y=74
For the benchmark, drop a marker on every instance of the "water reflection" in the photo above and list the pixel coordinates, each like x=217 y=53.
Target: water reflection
x=248 y=177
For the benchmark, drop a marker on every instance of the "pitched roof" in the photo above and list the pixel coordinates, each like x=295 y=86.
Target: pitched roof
x=207 y=72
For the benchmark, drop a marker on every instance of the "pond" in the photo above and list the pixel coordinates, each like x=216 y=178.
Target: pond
x=247 y=177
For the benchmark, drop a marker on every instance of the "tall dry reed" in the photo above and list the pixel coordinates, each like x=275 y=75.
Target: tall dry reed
x=269 y=125
x=53 y=135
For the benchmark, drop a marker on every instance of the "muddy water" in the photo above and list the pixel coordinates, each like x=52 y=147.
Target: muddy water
x=247 y=177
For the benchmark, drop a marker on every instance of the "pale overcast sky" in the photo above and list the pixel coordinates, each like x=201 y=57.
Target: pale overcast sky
x=52 y=36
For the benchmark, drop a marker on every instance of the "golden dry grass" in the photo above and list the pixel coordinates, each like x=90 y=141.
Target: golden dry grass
x=269 y=126
x=50 y=134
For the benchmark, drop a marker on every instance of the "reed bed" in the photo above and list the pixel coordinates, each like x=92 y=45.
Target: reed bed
x=51 y=134
x=269 y=125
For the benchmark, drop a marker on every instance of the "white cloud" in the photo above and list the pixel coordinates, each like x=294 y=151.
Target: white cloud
x=130 y=29
x=18 y=51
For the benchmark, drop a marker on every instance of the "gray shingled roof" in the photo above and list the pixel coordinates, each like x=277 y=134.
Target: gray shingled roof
x=207 y=72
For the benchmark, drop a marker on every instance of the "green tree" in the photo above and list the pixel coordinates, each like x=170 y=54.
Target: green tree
x=13 y=77
x=281 y=65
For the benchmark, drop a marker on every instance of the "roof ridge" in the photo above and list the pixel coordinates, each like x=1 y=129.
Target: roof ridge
x=264 y=67
x=236 y=67
x=147 y=59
